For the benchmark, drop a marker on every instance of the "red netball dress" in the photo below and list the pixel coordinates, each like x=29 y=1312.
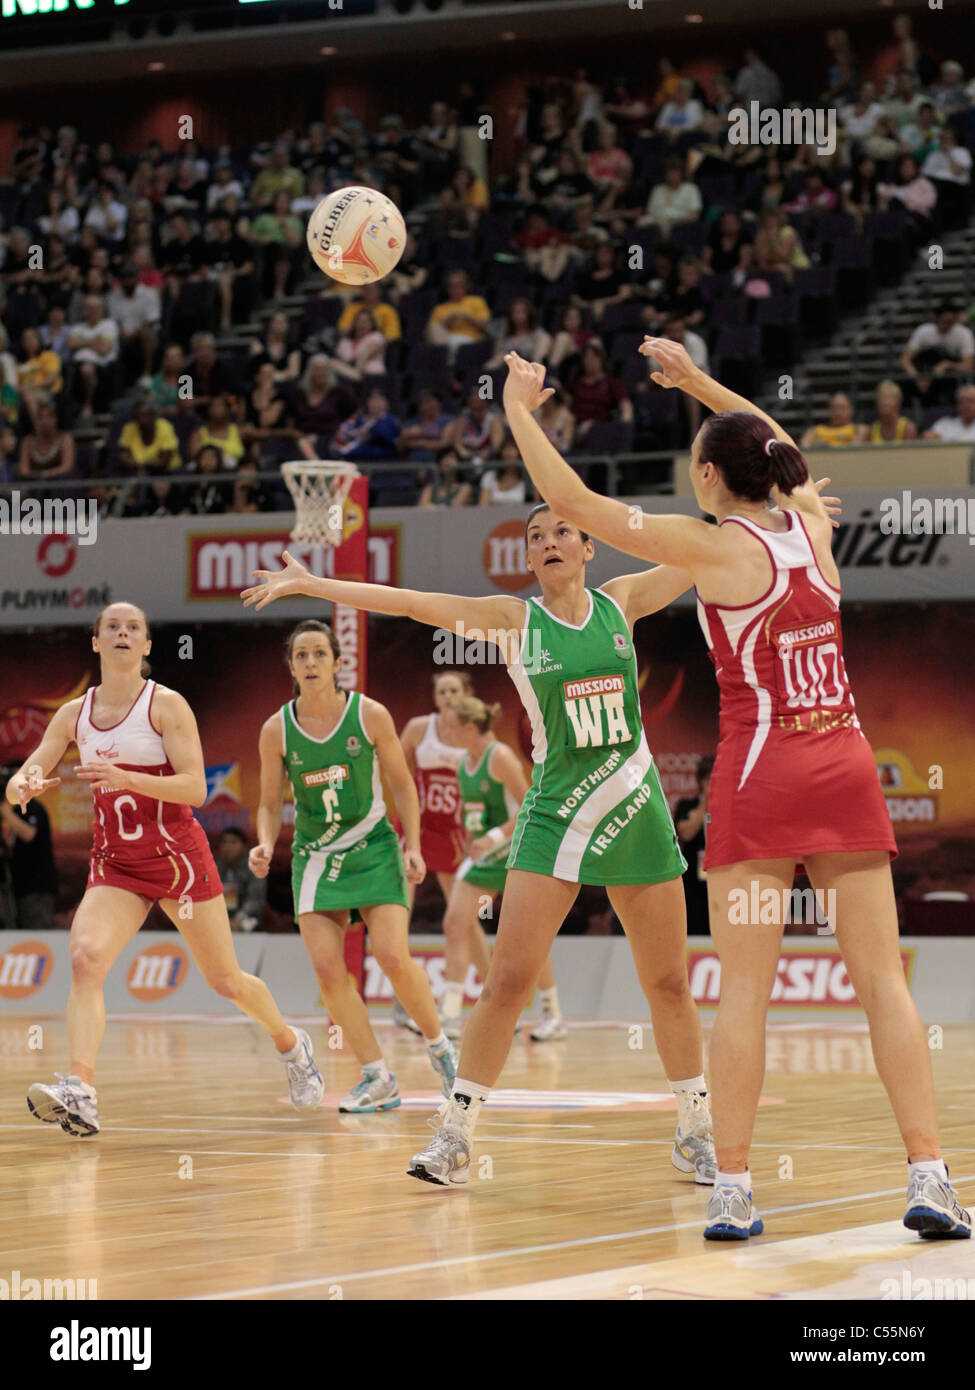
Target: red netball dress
x=146 y=846
x=794 y=775
x=442 y=837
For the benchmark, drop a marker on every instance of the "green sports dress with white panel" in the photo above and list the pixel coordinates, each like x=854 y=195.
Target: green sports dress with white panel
x=595 y=812
x=345 y=852
x=486 y=805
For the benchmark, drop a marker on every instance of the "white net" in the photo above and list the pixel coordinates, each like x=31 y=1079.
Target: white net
x=319 y=491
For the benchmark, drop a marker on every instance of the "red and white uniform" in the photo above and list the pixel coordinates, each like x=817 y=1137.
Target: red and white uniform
x=442 y=837
x=154 y=848
x=794 y=775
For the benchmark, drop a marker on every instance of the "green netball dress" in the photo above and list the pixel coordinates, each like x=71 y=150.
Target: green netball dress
x=486 y=805
x=595 y=812
x=345 y=852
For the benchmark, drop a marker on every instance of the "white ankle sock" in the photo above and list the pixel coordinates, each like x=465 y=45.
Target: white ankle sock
x=470 y=1096
x=742 y=1180
x=379 y=1069
x=549 y=1000
x=452 y=999
x=438 y=1041
x=694 y=1083
x=930 y=1165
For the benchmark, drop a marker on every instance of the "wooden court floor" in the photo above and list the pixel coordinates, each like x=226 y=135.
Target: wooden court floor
x=205 y=1183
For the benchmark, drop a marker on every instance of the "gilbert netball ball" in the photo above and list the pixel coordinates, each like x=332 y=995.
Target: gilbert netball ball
x=356 y=235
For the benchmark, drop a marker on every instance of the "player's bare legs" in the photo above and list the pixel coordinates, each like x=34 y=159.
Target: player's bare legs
x=105 y=922
x=388 y=928
x=478 y=946
x=866 y=933
x=654 y=917
x=208 y=936
x=460 y=926
x=749 y=955
x=324 y=939
x=532 y=910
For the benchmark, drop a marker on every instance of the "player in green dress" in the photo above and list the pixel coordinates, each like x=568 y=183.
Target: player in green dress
x=492 y=788
x=594 y=814
x=332 y=745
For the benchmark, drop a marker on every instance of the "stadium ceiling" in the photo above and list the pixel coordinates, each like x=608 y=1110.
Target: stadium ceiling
x=274 y=33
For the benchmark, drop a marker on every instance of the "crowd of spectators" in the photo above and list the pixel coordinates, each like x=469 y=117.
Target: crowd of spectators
x=130 y=284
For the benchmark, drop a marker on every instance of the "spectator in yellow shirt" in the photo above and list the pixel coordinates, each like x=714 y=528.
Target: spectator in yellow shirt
x=39 y=371
x=840 y=430
x=148 y=441
x=462 y=318
x=384 y=315
x=278 y=177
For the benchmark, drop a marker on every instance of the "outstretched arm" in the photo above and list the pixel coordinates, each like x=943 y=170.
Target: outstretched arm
x=452 y=611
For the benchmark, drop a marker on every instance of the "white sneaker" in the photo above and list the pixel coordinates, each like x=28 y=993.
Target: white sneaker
x=693 y=1150
x=552 y=1028
x=934 y=1211
x=68 y=1102
x=370 y=1094
x=731 y=1215
x=447 y=1160
x=304 y=1079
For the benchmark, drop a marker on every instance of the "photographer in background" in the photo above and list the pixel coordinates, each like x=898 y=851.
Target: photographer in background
x=244 y=894
x=33 y=875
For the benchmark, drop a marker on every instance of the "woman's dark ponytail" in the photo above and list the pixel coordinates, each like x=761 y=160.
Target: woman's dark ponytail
x=750 y=457
x=787 y=465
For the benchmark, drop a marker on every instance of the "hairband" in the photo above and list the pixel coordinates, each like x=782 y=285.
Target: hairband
x=768 y=444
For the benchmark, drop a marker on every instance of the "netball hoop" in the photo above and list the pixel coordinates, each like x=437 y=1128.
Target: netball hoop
x=319 y=490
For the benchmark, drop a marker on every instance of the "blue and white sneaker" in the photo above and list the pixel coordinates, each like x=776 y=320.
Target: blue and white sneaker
x=731 y=1215
x=304 y=1079
x=370 y=1094
x=934 y=1211
x=68 y=1102
x=443 y=1059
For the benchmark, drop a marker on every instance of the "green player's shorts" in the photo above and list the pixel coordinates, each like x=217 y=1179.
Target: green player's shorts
x=488 y=872
x=370 y=874
x=613 y=826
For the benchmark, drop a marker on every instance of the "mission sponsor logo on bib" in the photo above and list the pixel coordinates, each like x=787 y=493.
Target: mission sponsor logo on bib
x=326 y=775
x=594 y=709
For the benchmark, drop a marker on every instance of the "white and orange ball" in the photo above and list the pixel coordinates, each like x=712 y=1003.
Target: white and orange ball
x=356 y=235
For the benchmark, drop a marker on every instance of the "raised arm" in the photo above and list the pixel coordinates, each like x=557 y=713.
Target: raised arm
x=648 y=591
x=682 y=541
x=452 y=611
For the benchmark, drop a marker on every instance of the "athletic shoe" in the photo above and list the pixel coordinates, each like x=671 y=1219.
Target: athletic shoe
x=304 y=1079
x=68 y=1102
x=453 y=1026
x=443 y=1059
x=694 y=1147
x=934 y=1211
x=402 y=1019
x=371 y=1093
x=731 y=1215
x=551 y=1029
x=447 y=1159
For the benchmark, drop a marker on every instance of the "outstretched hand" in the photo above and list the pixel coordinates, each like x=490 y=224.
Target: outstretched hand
x=525 y=383
x=274 y=584
x=833 y=505
x=677 y=367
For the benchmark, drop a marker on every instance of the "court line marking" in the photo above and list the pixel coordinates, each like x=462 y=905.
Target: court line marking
x=295 y=1285
x=857 y=1242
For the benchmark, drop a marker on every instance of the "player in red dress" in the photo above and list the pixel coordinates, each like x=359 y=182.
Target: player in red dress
x=433 y=760
x=140 y=750
x=794 y=778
